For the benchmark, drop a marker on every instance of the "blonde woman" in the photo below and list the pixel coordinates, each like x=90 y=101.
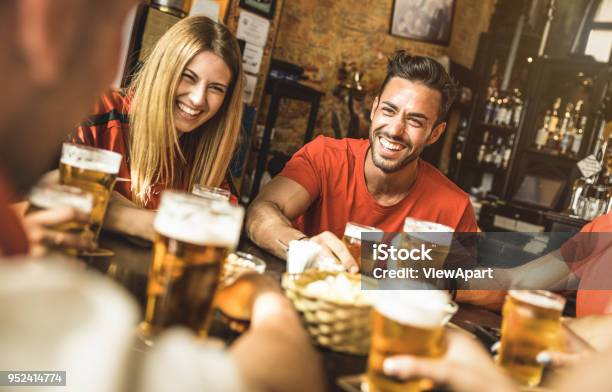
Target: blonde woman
x=177 y=124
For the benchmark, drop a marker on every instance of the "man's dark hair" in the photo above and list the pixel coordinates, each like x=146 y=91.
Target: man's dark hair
x=426 y=71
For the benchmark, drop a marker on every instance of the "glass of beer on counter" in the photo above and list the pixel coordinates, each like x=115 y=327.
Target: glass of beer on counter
x=193 y=238
x=47 y=196
x=406 y=322
x=210 y=192
x=93 y=170
x=531 y=324
x=353 y=235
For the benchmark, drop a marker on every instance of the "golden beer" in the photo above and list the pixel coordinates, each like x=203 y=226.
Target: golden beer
x=209 y=192
x=193 y=238
x=352 y=238
x=531 y=324
x=406 y=322
x=48 y=196
x=434 y=236
x=93 y=170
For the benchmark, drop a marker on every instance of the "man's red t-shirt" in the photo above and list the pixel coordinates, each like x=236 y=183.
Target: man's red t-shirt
x=332 y=171
x=589 y=255
x=13 y=239
x=108 y=128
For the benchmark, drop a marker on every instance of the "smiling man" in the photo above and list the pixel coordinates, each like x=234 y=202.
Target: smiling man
x=376 y=182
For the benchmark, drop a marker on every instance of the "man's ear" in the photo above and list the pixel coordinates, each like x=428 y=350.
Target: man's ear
x=374 y=106
x=436 y=133
x=41 y=46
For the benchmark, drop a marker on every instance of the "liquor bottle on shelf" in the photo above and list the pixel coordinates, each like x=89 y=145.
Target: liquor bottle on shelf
x=518 y=108
x=482 y=150
x=553 y=132
x=498 y=153
x=542 y=134
x=507 y=120
x=507 y=152
x=566 y=130
x=579 y=125
x=489 y=112
x=500 y=111
x=488 y=154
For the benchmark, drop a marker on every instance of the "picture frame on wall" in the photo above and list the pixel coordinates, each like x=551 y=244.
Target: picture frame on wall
x=264 y=8
x=423 y=20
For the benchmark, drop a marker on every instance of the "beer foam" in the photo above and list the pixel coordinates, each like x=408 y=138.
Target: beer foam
x=199 y=221
x=429 y=231
x=354 y=230
x=419 y=308
x=539 y=298
x=211 y=192
x=55 y=195
x=90 y=158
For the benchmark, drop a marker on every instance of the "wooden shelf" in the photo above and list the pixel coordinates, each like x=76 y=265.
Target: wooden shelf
x=500 y=127
x=485 y=167
x=553 y=154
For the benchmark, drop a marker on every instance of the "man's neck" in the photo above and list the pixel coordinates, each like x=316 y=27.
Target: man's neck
x=389 y=188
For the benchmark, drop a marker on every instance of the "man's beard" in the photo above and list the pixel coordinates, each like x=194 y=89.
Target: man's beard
x=392 y=166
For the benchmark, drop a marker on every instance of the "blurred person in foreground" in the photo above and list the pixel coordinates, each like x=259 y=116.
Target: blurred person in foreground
x=54 y=56
x=57 y=57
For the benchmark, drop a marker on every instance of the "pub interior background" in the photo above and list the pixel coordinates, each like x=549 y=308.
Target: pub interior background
x=534 y=77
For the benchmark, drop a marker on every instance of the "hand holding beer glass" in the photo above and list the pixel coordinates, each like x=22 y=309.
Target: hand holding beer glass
x=405 y=322
x=193 y=238
x=93 y=170
x=68 y=227
x=531 y=324
x=352 y=238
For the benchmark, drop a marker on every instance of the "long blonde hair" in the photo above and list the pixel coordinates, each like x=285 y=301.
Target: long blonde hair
x=153 y=142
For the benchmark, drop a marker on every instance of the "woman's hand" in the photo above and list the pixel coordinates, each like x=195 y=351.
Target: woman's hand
x=42 y=234
x=466 y=367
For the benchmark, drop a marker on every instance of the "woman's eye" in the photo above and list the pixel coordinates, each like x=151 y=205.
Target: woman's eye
x=187 y=76
x=387 y=111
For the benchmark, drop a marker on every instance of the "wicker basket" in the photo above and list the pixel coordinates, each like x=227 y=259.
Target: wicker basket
x=340 y=326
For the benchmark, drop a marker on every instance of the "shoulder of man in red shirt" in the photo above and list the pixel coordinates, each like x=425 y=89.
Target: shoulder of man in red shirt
x=319 y=153
x=443 y=190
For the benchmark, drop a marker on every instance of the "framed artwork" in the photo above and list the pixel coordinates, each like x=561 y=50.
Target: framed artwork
x=262 y=7
x=423 y=20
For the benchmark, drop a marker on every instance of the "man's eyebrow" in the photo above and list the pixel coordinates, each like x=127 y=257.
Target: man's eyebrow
x=411 y=114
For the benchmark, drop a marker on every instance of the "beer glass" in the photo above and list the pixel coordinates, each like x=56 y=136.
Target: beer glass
x=531 y=324
x=430 y=235
x=209 y=192
x=193 y=238
x=405 y=322
x=352 y=238
x=46 y=196
x=93 y=170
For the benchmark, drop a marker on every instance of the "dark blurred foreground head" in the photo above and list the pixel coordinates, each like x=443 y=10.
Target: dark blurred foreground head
x=57 y=56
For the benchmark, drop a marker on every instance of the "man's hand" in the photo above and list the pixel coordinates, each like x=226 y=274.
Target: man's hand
x=334 y=247
x=244 y=298
x=39 y=227
x=466 y=366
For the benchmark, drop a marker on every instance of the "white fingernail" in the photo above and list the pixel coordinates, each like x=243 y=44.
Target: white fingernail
x=544 y=358
x=390 y=366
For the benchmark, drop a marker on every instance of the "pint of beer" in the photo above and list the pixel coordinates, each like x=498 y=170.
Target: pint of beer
x=434 y=236
x=209 y=192
x=531 y=324
x=353 y=235
x=93 y=170
x=405 y=322
x=193 y=238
